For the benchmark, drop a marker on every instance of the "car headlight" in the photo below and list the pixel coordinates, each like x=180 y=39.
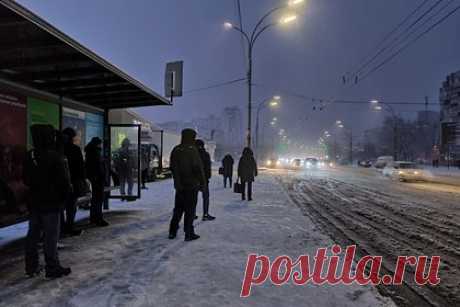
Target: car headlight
x=331 y=164
x=269 y=162
x=416 y=173
x=401 y=172
x=278 y=163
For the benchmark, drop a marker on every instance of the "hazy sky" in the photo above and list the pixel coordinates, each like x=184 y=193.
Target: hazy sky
x=307 y=57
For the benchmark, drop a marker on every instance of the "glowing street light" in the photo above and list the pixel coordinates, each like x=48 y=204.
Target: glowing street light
x=378 y=108
x=374 y=101
x=288 y=19
x=295 y=2
x=251 y=38
x=272 y=102
x=339 y=122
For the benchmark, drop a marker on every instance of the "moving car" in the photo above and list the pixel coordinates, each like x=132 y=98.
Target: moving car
x=312 y=163
x=383 y=161
x=272 y=163
x=297 y=163
x=404 y=171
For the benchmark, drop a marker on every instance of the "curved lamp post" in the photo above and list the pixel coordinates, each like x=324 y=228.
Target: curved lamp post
x=251 y=39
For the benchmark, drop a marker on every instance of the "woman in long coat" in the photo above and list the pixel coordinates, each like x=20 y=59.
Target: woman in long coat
x=247 y=171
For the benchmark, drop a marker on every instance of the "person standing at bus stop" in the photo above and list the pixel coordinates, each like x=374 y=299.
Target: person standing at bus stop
x=247 y=171
x=125 y=165
x=95 y=171
x=188 y=175
x=206 y=160
x=47 y=175
x=77 y=176
x=227 y=168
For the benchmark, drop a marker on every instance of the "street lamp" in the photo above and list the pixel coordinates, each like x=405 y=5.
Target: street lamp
x=273 y=102
x=251 y=39
x=379 y=107
x=341 y=126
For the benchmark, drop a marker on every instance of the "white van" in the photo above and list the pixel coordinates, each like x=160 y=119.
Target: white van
x=383 y=161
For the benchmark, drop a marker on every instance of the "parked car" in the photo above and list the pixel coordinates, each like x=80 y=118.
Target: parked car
x=383 y=161
x=404 y=171
x=365 y=163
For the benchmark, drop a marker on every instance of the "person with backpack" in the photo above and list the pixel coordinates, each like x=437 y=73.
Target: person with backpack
x=46 y=173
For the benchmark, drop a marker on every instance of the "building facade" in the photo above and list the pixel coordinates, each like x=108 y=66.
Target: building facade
x=449 y=98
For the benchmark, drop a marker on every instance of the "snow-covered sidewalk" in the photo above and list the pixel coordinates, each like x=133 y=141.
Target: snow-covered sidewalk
x=132 y=262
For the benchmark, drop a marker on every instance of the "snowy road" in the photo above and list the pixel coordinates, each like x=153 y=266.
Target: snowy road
x=132 y=263
x=387 y=218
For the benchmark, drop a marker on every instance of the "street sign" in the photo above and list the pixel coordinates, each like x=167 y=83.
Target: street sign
x=174 y=79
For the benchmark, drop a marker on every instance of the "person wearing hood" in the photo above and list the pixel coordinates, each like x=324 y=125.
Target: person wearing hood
x=95 y=171
x=227 y=165
x=124 y=165
x=77 y=176
x=206 y=161
x=188 y=175
x=47 y=175
x=247 y=171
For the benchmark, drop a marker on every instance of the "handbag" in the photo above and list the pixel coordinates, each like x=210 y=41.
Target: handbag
x=221 y=170
x=237 y=187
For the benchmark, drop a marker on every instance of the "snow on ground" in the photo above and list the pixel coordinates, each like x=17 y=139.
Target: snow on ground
x=132 y=263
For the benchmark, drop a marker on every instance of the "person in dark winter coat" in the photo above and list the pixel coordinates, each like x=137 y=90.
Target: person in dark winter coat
x=227 y=165
x=206 y=160
x=95 y=171
x=247 y=171
x=188 y=175
x=77 y=177
x=47 y=175
x=124 y=165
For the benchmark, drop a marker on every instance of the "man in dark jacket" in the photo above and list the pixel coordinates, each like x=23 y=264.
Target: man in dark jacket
x=247 y=171
x=125 y=166
x=46 y=174
x=188 y=175
x=227 y=165
x=206 y=160
x=77 y=177
x=95 y=171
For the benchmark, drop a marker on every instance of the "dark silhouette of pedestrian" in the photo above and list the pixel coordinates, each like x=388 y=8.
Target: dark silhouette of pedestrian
x=206 y=160
x=124 y=165
x=247 y=171
x=144 y=167
x=77 y=177
x=188 y=175
x=95 y=171
x=46 y=173
x=227 y=165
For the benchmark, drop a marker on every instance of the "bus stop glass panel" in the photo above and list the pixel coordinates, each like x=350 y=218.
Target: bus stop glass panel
x=125 y=161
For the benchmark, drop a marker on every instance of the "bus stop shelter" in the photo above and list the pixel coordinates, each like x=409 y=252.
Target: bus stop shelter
x=46 y=77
